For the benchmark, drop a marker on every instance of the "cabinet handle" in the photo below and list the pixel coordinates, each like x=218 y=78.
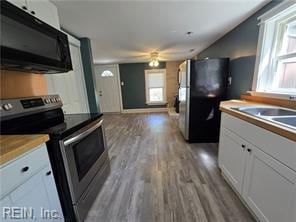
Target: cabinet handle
x=243 y=146
x=48 y=173
x=24 y=7
x=249 y=150
x=25 y=169
x=33 y=12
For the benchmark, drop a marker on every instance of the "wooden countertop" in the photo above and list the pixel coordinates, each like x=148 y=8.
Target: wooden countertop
x=268 y=125
x=12 y=146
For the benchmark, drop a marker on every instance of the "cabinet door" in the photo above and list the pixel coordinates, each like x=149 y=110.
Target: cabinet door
x=232 y=158
x=270 y=188
x=37 y=199
x=51 y=190
x=45 y=11
x=19 y=3
x=5 y=206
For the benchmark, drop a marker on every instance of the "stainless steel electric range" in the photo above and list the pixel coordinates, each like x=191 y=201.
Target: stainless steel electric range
x=77 y=147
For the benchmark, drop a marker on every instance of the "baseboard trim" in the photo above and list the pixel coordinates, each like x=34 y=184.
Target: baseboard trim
x=146 y=110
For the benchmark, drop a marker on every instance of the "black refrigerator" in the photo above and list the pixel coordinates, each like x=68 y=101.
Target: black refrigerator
x=202 y=86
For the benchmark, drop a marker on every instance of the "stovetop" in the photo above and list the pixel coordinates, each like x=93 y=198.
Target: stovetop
x=52 y=122
x=71 y=123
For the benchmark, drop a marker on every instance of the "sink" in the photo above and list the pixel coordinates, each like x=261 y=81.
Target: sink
x=281 y=116
x=266 y=111
x=289 y=121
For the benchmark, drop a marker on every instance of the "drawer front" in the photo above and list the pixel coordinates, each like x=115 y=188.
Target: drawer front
x=20 y=170
x=280 y=148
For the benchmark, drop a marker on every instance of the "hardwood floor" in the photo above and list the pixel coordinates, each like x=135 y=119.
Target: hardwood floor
x=157 y=177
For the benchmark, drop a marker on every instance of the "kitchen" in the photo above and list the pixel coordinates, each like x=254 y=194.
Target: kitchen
x=96 y=128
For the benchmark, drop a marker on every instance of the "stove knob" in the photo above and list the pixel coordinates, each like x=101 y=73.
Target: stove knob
x=52 y=100
x=7 y=107
x=47 y=101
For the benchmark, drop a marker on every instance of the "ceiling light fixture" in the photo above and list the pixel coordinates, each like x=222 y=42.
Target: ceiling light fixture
x=154 y=60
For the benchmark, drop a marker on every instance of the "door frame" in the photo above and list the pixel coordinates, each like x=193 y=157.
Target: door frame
x=116 y=66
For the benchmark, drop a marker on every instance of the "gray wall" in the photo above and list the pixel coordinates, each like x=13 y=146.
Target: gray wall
x=240 y=45
x=87 y=61
x=133 y=90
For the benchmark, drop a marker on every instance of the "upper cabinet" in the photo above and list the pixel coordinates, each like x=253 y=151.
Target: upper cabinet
x=41 y=9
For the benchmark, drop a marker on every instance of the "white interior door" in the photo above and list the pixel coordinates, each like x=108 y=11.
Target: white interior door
x=107 y=82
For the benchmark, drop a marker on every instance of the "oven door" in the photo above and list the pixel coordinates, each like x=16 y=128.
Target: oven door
x=84 y=153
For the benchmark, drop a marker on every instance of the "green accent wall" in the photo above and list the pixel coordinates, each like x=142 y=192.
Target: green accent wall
x=133 y=90
x=88 y=68
x=240 y=45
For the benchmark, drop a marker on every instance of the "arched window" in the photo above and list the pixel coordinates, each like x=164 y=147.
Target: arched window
x=107 y=73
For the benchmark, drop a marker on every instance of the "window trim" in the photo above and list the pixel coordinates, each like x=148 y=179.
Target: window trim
x=268 y=23
x=148 y=72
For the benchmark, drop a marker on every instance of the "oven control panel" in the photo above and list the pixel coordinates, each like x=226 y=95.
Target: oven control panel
x=11 y=108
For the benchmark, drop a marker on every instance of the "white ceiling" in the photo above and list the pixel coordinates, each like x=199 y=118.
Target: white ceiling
x=127 y=31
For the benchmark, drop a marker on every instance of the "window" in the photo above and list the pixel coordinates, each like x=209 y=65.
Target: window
x=155 y=85
x=107 y=73
x=275 y=70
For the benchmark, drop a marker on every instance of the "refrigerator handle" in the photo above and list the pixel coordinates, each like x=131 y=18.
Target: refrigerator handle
x=229 y=80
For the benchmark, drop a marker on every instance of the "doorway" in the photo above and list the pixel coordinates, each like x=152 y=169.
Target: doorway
x=108 y=88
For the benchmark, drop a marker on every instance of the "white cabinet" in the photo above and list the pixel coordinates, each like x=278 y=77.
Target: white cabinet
x=35 y=196
x=39 y=196
x=232 y=158
x=270 y=188
x=22 y=4
x=261 y=176
x=71 y=85
x=41 y=9
x=45 y=11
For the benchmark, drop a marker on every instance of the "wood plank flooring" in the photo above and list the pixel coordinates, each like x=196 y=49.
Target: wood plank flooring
x=157 y=177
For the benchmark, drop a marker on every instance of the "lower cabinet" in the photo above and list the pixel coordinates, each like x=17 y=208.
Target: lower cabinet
x=38 y=196
x=265 y=184
x=270 y=188
x=35 y=199
x=232 y=158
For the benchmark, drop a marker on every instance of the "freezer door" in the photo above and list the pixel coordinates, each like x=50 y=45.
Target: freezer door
x=209 y=78
x=184 y=98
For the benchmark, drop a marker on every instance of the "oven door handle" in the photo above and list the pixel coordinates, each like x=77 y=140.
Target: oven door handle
x=83 y=134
